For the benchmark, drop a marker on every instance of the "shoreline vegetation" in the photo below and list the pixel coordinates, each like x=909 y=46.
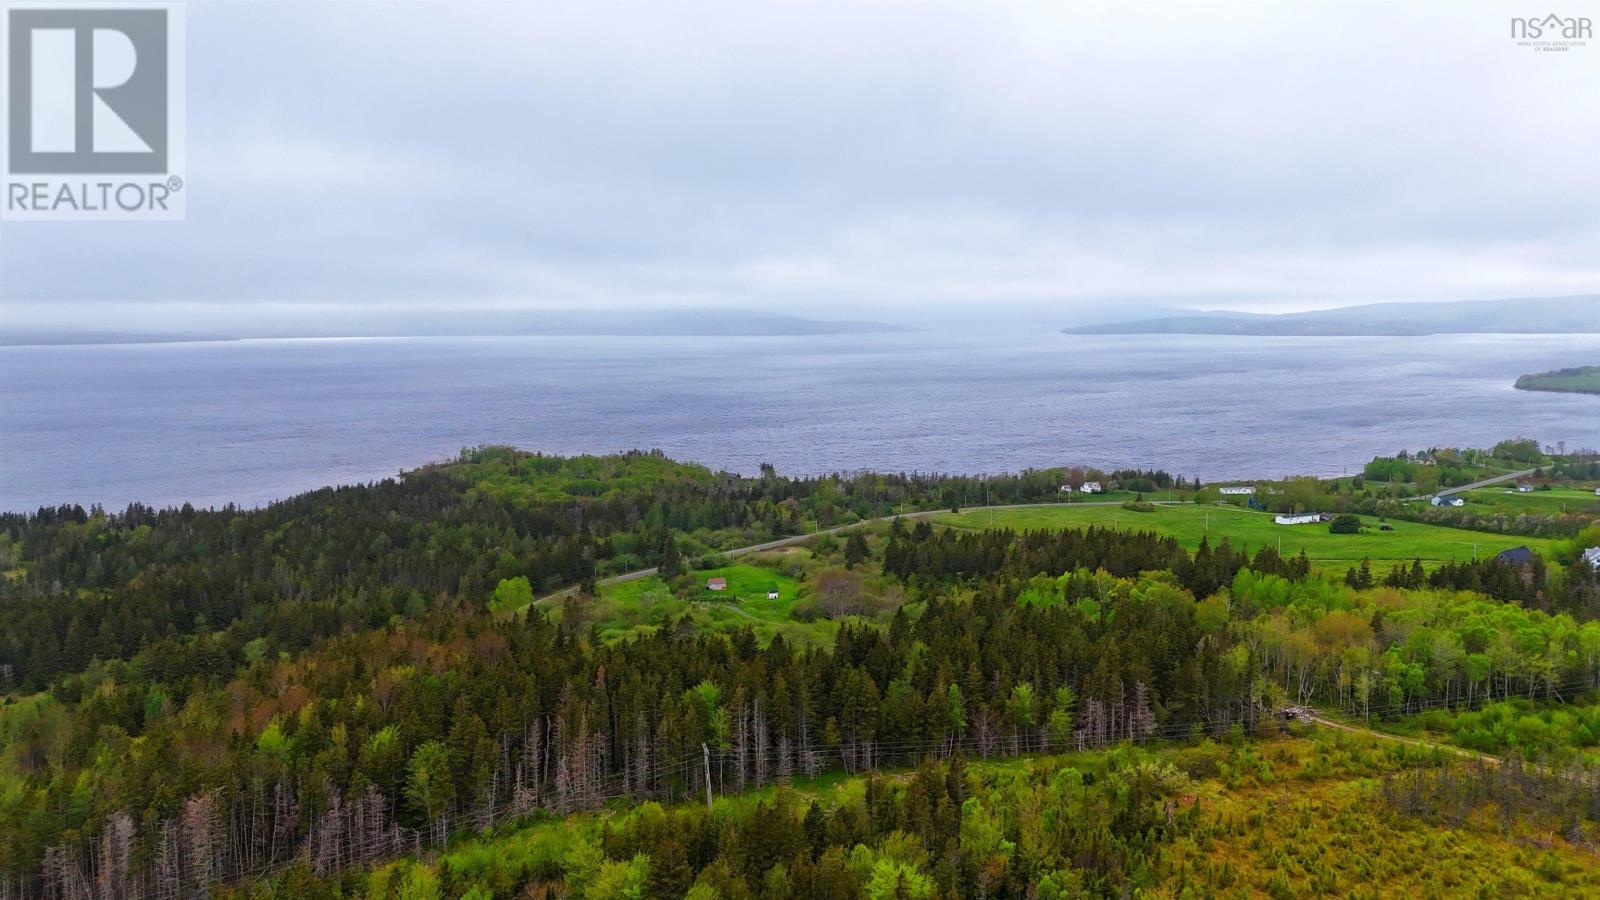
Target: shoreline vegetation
x=1576 y=380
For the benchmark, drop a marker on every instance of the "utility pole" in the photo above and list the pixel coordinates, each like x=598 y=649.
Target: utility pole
x=707 y=751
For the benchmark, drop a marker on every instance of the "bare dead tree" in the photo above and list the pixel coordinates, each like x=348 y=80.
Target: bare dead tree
x=116 y=852
x=202 y=826
x=759 y=740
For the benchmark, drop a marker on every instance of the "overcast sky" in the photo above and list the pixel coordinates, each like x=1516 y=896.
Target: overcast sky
x=848 y=161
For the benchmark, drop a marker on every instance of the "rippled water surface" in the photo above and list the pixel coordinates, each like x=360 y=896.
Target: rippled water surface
x=251 y=421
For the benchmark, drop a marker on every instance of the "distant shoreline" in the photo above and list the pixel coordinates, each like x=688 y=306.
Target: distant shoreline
x=1525 y=315
x=1578 y=380
x=7 y=342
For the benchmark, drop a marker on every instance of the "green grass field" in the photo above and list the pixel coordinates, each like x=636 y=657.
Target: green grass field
x=1579 y=380
x=644 y=604
x=1433 y=544
x=1546 y=503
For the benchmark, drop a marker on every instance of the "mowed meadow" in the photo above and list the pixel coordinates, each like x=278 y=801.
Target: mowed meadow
x=1190 y=524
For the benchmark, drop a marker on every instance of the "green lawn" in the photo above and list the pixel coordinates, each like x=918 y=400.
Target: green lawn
x=1551 y=502
x=644 y=604
x=1189 y=523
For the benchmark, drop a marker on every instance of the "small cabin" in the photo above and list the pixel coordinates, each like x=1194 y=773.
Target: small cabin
x=1592 y=556
x=1524 y=488
x=771 y=591
x=1302 y=519
x=1091 y=487
x=716 y=584
x=1447 y=500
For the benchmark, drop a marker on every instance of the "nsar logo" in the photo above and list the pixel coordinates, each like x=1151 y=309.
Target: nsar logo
x=1552 y=33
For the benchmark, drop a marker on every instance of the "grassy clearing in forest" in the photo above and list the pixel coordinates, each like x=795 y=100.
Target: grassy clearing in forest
x=1433 y=544
x=628 y=608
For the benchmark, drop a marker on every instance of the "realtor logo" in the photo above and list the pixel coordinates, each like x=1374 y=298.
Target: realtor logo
x=93 y=112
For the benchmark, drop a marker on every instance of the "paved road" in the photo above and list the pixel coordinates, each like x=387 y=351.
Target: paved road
x=798 y=538
x=1445 y=492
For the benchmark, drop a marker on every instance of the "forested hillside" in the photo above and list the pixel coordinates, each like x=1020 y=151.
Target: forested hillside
x=92 y=585
x=322 y=685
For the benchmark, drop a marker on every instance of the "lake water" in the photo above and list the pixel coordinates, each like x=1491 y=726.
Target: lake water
x=250 y=421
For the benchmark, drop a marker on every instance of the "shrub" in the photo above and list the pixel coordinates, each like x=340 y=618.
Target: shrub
x=1345 y=523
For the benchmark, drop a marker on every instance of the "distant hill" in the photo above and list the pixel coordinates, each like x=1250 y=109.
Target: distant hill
x=36 y=337
x=690 y=323
x=1527 y=315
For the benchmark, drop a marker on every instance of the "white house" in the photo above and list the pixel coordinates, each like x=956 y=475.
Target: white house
x=1237 y=490
x=1447 y=500
x=1301 y=519
x=1597 y=492
x=1524 y=488
x=1090 y=487
x=1066 y=489
x=1592 y=556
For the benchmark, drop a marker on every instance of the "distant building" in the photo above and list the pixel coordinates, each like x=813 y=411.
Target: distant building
x=1516 y=556
x=1237 y=490
x=1592 y=556
x=1302 y=519
x=1524 y=488
x=716 y=584
x=1090 y=487
x=1597 y=492
x=1447 y=500
x=1066 y=489
x=772 y=592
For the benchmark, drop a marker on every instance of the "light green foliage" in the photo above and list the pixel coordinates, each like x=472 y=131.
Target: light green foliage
x=1021 y=705
x=511 y=594
x=421 y=882
x=619 y=880
x=429 y=787
x=1554 y=731
x=895 y=880
x=273 y=742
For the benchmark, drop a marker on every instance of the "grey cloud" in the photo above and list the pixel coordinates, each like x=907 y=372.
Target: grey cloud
x=845 y=159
